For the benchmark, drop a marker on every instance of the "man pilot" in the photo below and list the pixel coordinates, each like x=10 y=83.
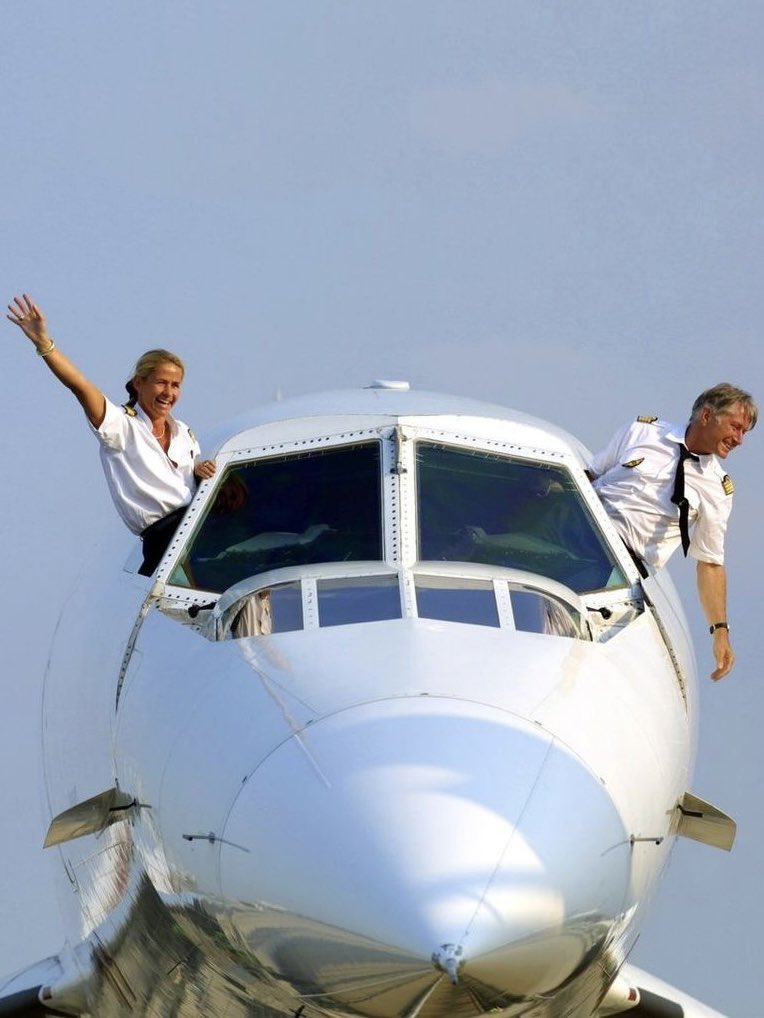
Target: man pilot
x=664 y=485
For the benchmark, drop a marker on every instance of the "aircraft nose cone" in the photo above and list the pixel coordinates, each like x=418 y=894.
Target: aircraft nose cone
x=442 y=832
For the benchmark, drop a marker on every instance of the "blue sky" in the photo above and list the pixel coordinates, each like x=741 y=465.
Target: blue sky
x=552 y=205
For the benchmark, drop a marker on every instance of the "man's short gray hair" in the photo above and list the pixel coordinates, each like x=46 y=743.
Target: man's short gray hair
x=722 y=399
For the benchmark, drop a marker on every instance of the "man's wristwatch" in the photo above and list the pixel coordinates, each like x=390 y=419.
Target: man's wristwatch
x=719 y=625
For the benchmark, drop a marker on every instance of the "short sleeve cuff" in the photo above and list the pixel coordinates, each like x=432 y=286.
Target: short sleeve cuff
x=113 y=427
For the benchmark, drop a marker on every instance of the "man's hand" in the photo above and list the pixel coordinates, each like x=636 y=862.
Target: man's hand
x=723 y=653
x=30 y=319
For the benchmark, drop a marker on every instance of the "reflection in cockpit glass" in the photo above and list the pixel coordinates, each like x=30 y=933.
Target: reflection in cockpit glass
x=473 y=603
x=323 y=505
x=533 y=612
x=480 y=507
x=349 y=600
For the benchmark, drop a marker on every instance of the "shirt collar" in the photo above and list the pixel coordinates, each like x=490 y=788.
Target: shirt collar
x=147 y=420
x=677 y=435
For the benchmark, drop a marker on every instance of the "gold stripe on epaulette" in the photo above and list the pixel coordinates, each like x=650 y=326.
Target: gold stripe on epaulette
x=647 y=419
x=727 y=484
x=129 y=410
x=630 y=464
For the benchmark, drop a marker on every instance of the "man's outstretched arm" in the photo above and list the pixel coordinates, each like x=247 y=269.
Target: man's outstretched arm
x=712 y=590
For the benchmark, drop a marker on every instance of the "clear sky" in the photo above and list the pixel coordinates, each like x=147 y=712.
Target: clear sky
x=552 y=205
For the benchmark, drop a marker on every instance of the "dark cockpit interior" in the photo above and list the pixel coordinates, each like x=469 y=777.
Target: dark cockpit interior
x=325 y=505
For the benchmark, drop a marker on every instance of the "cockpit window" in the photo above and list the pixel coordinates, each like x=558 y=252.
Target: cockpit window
x=323 y=505
x=481 y=507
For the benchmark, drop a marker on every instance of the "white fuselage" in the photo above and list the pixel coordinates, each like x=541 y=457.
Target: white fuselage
x=437 y=780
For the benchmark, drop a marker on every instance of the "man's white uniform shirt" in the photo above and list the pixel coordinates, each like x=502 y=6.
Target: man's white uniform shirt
x=634 y=477
x=145 y=482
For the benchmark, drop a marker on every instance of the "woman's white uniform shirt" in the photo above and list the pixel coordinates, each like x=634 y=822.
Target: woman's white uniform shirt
x=145 y=482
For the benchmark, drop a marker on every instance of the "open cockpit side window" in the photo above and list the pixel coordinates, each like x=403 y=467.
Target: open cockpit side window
x=476 y=506
x=321 y=505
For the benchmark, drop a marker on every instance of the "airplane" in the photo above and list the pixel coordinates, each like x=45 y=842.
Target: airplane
x=395 y=730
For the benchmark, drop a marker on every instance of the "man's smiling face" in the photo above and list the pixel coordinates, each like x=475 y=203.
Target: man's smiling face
x=719 y=433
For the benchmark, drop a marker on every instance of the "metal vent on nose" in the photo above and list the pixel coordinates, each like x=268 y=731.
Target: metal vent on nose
x=397 y=385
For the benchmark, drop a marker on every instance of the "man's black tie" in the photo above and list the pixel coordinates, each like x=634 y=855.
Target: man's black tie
x=679 y=499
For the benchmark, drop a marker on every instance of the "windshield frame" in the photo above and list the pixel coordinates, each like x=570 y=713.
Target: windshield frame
x=398 y=489
x=203 y=504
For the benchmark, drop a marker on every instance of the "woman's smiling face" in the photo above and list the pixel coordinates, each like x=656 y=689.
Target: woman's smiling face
x=159 y=391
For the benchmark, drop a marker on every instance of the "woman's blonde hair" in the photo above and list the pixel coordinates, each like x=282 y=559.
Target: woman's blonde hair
x=146 y=363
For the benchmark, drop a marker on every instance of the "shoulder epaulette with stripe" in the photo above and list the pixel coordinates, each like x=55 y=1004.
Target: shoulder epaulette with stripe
x=647 y=419
x=129 y=410
x=727 y=484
